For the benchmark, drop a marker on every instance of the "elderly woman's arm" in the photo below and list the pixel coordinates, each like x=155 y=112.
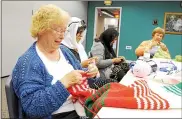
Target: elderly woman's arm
x=37 y=99
x=141 y=48
x=98 y=51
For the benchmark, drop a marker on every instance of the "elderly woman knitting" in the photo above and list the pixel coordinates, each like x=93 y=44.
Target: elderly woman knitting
x=155 y=46
x=44 y=74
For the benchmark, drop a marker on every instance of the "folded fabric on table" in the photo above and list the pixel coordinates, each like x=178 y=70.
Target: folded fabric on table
x=171 y=77
x=138 y=95
x=176 y=89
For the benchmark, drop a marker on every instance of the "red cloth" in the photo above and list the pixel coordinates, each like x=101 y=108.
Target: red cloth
x=136 y=96
x=81 y=91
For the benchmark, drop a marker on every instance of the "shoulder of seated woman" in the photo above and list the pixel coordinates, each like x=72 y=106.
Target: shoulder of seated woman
x=146 y=42
x=98 y=44
x=29 y=58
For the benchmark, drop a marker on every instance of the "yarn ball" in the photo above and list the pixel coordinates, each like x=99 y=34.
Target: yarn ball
x=141 y=69
x=178 y=58
x=93 y=68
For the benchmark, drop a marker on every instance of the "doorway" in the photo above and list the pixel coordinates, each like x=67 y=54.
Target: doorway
x=107 y=17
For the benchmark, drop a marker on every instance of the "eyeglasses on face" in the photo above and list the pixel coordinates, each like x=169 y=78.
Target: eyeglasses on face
x=59 y=30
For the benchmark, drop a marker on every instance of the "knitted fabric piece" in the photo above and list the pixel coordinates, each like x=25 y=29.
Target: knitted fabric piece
x=81 y=91
x=119 y=71
x=176 y=89
x=135 y=96
x=162 y=54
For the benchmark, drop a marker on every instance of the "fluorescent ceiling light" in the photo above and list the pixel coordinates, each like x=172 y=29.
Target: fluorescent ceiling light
x=103 y=12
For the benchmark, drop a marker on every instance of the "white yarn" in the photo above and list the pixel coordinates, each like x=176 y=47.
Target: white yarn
x=92 y=68
x=141 y=69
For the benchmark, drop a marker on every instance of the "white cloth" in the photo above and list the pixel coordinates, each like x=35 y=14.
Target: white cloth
x=70 y=38
x=82 y=53
x=55 y=68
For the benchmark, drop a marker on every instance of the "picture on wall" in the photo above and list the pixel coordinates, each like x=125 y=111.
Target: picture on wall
x=173 y=23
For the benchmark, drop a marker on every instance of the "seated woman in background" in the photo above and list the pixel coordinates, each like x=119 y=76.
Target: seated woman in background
x=155 y=46
x=103 y=49
x=46 y=73
x=74 y=36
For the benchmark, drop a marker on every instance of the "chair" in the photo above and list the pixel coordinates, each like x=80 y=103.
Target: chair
x=12 y=99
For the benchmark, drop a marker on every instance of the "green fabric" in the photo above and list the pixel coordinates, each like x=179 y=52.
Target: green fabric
x=176 y=89
x=179 y=85
x=178 y=58
x=102 y=92
x=121 y=96
x=162 y=54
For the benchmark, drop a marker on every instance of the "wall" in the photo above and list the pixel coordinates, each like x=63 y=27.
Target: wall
x=111 y=21
x=100 y=25
x=136 y=24
x=75 y=8
x=0 y=44
x=16 y=17
x=0 y=61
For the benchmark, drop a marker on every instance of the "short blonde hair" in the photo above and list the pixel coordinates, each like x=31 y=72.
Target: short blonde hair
x=45 y=17
x=158 y=30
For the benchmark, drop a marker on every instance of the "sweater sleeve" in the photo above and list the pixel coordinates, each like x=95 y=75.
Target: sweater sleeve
x=37 y=99
x=98 y=51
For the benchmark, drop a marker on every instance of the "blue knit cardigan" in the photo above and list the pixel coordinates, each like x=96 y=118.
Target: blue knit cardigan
x=32 y=84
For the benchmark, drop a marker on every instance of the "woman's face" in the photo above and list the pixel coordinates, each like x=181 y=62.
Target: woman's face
x=115 y=39
x=53 y=37
x=158 y=37
x=79 y=35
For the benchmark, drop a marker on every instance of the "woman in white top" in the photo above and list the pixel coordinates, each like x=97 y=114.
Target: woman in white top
x=74 y=37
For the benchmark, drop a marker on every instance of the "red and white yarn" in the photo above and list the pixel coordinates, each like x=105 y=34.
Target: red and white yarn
x=81 y=91
x=146 y=98
x=82 y=87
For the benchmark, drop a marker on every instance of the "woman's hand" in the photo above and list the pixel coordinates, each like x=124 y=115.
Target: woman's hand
x=122 y=58
x=72 y=78
x=154 y=43
x=116 y=60
x=163 y=46
x=92 y=71
x=85 y=63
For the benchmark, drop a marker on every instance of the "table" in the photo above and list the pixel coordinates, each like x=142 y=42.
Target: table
x=110 y=112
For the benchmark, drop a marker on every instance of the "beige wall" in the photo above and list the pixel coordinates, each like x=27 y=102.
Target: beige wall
x=104 y=21
x=16 y=18
x=100 y=25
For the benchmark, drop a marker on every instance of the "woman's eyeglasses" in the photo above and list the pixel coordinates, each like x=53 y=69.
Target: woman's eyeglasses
x=59 y=31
